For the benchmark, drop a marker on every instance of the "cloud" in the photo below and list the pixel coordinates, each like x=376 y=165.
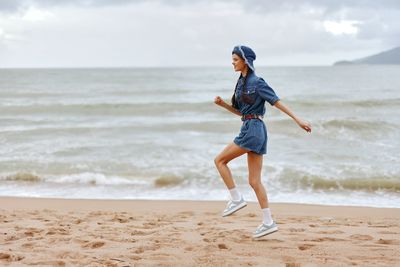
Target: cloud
x=327 y=6
x=341 y=27
x=12 y=6
x=261 y=6
x=250 y=5
x=176 y=33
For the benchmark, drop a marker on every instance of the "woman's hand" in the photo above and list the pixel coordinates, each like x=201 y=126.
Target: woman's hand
x=218 y=100
x=305 y=125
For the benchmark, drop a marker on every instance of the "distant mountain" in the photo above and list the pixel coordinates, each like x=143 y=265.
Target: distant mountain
x=391 y=56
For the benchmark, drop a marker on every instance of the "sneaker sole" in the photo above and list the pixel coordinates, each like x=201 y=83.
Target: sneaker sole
x=241 y=206
x=270 y=231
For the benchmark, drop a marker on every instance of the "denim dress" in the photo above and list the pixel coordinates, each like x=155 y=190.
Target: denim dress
x=251 y=100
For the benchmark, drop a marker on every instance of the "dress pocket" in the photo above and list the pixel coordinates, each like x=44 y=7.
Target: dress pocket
x=249 y=95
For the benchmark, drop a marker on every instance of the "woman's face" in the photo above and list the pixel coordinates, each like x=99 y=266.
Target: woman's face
x=238 y=63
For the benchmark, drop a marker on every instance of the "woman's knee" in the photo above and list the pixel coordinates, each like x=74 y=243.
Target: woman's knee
x=255 y=183
x=218 y=160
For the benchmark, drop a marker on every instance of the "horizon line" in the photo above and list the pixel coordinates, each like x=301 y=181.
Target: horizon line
x=154 y=67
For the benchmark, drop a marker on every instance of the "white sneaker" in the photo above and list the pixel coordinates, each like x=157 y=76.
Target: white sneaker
x=234 y=206
x=264 y=229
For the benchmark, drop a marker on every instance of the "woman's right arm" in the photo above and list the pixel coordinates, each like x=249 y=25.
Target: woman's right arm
x=218 y=100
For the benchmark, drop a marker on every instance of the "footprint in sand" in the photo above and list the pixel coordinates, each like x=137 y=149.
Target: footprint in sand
x=296 y=230
x=388 y=233
x=59 y=230
x=11 y=238
x=28 y=245
x=94 y=244
x=222 y=246
x=326 y=238
x=149 y=225
x=265 y=239
x=361 y=237
x=305 y=246
x=69 y=254
x=292 y=264
x=55 y=263
x=142 y=249
x=333 y=232
x=120 y=219
x=245 y=236
x=186 y=214
x=290 y=261
x=80 y=241
x=139 y=250
x=10 y=257
x=381 y=226
x=77 y=221
x=138 y=232
x=388 y=241
x=226 y=233
x=32 y=231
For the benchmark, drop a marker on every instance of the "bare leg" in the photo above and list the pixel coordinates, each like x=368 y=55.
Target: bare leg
x=254 y=162
x=230 y=152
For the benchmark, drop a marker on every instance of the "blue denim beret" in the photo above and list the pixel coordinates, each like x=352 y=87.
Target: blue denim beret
x=246 y=53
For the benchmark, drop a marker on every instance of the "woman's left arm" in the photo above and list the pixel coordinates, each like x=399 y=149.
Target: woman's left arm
x=303 y=124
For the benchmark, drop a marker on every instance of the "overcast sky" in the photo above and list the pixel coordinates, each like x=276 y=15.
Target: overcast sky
x=123 y=33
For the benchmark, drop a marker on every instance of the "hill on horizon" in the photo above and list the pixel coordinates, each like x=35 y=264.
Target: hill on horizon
x=391 y=56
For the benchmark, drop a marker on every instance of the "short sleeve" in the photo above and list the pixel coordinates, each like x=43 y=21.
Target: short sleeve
x=266 y=92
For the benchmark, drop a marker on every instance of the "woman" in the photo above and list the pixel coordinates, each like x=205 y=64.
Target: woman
x=248 y=101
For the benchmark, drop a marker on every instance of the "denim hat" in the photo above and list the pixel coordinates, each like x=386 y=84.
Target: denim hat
x=246 y=53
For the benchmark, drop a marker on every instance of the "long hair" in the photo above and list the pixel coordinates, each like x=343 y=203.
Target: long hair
x=233 y=99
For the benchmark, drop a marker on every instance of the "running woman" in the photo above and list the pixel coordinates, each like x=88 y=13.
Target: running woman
x=248 y=102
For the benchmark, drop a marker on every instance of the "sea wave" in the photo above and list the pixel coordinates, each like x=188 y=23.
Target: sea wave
x=290 y=180
x=22 y=176
x=108 y=109
x=318 y=182
x=139 y=126
x=334 y=103
x=361 y=127
x=92 y=178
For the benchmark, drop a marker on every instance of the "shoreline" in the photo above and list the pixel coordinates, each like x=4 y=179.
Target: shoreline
x=92 y=232
x=109 y=204
x=52 y=198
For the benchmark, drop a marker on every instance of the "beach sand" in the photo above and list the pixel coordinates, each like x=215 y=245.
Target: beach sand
x=63 y=232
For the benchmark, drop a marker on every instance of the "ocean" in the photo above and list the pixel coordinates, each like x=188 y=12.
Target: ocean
x=153 y=133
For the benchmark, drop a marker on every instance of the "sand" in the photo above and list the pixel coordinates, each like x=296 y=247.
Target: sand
x=62 y=232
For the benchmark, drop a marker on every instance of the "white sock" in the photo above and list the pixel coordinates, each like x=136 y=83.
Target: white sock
x=267 y=219
x=235 y=195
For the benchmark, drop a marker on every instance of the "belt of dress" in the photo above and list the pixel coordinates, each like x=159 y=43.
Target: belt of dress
x=251 y=116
